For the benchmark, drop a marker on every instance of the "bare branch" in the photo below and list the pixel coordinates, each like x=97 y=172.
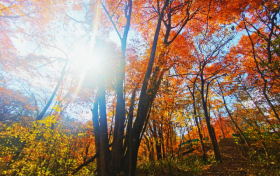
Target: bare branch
x=75 y=19
x=115 y=27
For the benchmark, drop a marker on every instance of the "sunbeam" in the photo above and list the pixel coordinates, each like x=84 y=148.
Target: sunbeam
x=91 y=59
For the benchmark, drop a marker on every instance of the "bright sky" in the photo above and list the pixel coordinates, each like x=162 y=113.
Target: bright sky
x=71 y=41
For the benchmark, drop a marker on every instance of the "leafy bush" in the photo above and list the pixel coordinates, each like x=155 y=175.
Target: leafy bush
x=44 y=147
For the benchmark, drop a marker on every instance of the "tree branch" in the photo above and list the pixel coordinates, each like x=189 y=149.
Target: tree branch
x=86 y=163
x=115 y=27
x=75 y=19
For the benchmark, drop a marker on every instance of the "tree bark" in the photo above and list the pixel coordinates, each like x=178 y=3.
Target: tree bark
x=116 y=156
x=104 y=142
x=209 y=126
x=96 y=129
x=158 y=144
x=143 y=105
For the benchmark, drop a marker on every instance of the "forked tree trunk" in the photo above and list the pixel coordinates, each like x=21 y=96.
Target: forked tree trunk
x=117 y=149
x=145 y=102
x=207 y=117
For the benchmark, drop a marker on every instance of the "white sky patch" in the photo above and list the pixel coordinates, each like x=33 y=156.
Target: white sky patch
x=70 y=41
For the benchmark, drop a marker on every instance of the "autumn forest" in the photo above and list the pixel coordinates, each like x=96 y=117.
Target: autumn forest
x=139 y=87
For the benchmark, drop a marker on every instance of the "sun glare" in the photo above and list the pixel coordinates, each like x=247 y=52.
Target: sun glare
x=91 y=59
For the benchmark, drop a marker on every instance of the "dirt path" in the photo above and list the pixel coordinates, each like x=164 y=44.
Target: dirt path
x=234 y=164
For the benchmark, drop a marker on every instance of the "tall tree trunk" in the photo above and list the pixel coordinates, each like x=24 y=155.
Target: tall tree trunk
x=116 y=156
x=171 y=143
x=96 y=129
x=209 y=126
x=158 y=149
x=144 y=104
x=104 y=142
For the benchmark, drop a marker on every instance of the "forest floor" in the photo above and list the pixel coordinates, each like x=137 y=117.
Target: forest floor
x=236 y=161
x=233 y=160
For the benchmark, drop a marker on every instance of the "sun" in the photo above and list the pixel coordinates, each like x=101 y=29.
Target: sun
x=89 y=60
x=92 y=60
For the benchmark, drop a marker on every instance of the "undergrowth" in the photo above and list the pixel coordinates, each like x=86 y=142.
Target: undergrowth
x=189 y=165
x=264 y=157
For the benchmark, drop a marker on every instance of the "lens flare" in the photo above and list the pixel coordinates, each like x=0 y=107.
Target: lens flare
x=92 y=58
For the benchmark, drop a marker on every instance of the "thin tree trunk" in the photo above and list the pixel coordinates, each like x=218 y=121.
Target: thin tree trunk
x=149 y=146
x=42 y=113
x=220 y=124
x=259 y=109
x=130 y=119
x=161 y=139
x=262 y=75
x=158 y=144
x=171 y=143
x=96 y=130
x=209 y=126
x=196 y=122
x=233 y=121
x=257 y=128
